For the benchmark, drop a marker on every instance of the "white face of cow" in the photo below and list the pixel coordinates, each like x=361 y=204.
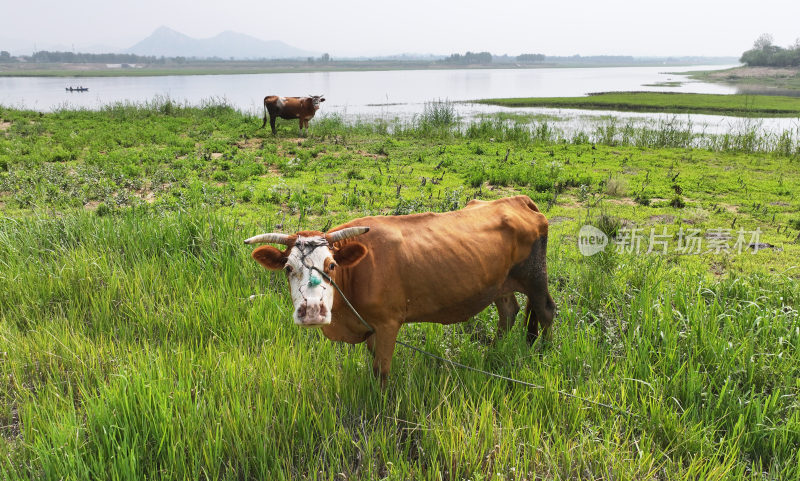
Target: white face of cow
x=312 y=294
x=316 y=100
x=312 y=254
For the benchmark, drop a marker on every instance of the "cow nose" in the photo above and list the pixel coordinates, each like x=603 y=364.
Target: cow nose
x=312 y=313
x=301 y=311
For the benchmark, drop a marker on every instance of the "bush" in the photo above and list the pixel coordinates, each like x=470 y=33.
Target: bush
x=677 y=202
x=438 y=115
x=608 y=224
x=102 y=210
x=616 y=187
x=642 y=199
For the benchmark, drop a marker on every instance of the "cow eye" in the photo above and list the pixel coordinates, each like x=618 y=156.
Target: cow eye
x=332 y=266
x=288 y=269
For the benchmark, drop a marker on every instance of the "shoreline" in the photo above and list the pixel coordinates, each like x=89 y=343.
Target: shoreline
x=753 y=79
x=245 y=68
x=737 y=105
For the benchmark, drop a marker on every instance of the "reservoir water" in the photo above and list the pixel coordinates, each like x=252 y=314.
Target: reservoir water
x=396 y=94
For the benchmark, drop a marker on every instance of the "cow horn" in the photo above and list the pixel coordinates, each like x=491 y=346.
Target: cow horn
x=346 y=234
x=272 y=238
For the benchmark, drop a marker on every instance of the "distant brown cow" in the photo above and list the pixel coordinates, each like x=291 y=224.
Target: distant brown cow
x=302 y=108
x=428 y=267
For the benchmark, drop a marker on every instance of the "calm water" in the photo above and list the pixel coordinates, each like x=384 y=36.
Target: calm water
x=346 y=92
x=385 y=94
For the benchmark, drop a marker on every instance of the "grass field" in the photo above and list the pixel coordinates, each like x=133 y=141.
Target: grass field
x=737 y=105
x=138 y=339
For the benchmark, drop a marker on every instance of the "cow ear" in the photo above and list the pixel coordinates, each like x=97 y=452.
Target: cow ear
x=350 y=254
x=270 y=257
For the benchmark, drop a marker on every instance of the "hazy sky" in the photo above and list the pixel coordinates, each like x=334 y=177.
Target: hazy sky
x=371 y=27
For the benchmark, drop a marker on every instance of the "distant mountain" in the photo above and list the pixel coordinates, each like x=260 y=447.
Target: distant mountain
x=169 y=43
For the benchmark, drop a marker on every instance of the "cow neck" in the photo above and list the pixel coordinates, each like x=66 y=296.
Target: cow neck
x=347 y=302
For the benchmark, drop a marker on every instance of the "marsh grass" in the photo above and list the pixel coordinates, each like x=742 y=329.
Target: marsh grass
x=145 y=343
x=739 y=105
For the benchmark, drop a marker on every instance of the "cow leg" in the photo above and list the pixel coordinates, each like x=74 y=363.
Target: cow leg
x=507 y=309
x=301 y=126
x=540 y=310
x=532 y=275
x=371 y=344
x=272 y=124
x=383 y=350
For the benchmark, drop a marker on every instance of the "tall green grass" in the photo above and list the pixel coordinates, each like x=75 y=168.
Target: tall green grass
x=132 y=349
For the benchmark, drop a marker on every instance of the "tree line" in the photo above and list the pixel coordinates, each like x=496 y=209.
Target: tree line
x=469 y=58
x=766 y=54
x=45 y=56
x=482 y=58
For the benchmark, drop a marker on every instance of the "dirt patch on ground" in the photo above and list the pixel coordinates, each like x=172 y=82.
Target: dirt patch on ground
x=568 y=201
x=662 y=219
x=250 y=143
x=503 y=191
x=91 y=205
x=364 y=153
x=216 y=155
x=272 y=171
x=717 y=269
x=755 y=72
x=558 y=219
x=4 y=125
x=763 y=245
x=622 y=201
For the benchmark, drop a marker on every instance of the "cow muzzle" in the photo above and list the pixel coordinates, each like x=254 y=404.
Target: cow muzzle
x=312 y=313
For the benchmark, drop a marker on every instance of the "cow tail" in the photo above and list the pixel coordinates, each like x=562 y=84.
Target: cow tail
x=265 y=113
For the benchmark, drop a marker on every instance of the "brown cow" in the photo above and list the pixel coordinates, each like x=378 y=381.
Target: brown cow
x=428 y=267
x=302 y=108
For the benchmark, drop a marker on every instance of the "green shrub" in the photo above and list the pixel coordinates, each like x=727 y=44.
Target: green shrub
x=102 y=210
x=608 y=224
x=677 y=202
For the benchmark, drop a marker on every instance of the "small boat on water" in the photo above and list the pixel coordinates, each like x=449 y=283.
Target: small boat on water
x=77 y=89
